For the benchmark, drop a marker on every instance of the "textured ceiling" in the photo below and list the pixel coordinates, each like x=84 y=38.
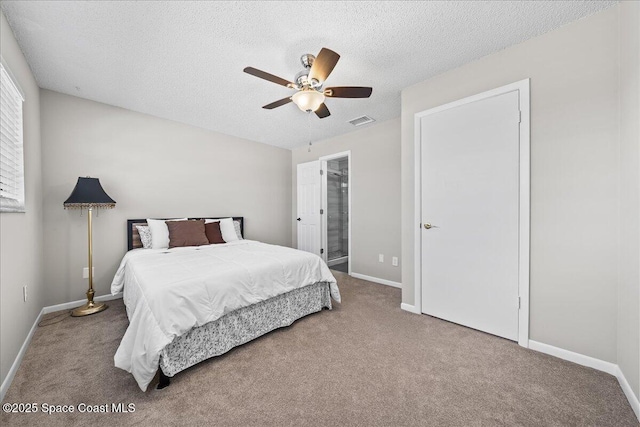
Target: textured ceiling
x=183 y=60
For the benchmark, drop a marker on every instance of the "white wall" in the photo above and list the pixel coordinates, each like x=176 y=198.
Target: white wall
x=574 y=175
x=375 y=199
x=629 y=288
x=152 y=167
x=21 y=250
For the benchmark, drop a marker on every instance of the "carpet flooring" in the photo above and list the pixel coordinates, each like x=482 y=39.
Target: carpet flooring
x=365 y=363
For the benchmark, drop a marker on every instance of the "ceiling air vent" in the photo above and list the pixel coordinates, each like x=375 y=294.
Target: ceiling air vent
x=362 y=120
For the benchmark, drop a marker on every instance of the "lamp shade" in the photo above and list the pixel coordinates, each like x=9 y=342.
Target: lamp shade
x=308 y=100
x=88 y=193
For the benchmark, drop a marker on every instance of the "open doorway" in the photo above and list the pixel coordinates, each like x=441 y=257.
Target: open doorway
x=336 y=206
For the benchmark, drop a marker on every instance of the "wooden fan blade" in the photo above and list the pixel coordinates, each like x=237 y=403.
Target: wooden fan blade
x=277 y=103
x=348 y=92
x=323 y=64
x=266 y=76
x=322 y=111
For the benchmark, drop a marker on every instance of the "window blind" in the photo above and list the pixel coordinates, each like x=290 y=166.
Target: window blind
x=11 y=148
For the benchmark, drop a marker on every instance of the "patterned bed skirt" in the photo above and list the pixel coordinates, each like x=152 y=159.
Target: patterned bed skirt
x=241 y=326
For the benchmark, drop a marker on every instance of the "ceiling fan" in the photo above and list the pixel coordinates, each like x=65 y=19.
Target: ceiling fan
x=310 y=95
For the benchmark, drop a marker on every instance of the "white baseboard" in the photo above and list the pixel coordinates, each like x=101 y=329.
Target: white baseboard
x=16 y=363
x=591 y=362
x=377 y=280
x=626 y=388
x=580 y=359
x=410 y=308
x=45 y=310
x=74 y=304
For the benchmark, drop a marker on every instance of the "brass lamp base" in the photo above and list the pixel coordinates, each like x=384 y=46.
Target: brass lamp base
x=89 y=308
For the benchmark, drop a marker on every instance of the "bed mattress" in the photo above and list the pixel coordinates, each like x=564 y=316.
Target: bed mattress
x=169 y=292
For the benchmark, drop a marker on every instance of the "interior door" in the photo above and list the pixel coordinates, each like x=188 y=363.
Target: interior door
x=309 y=207
x=470 y=195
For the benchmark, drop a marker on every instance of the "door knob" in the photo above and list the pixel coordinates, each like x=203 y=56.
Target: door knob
x=427 y=225
x=298 y=219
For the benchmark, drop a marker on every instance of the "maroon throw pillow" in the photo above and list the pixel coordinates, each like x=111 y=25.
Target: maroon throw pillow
x=186 y=233
x=213 y=233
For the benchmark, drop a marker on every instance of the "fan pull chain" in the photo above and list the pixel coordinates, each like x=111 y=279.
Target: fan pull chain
x=309 y=129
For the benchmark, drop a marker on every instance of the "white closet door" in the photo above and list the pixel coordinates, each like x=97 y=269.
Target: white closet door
x=470 y=197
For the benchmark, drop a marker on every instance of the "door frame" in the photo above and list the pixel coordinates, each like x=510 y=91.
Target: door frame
x=523 y=87
x=323 y=205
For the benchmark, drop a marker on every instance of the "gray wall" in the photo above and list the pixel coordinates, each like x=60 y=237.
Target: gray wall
x=629 y=288
x=574 y=175
x=375 y=199
x=152 y=167
x=21 y=251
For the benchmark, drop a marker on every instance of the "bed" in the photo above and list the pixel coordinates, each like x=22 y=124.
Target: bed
x=188 y=304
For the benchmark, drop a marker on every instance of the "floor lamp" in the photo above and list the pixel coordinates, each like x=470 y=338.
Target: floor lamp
x=89 y=194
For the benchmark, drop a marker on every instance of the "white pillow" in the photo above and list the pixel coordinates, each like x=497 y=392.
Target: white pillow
x=160 y=232
x=145 y=236
x=228 y=230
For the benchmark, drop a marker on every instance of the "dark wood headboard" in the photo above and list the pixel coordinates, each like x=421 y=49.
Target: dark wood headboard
x=133 y=238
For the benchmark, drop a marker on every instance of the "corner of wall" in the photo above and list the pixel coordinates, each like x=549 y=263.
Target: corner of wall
x=21 y=252
x=628 y=313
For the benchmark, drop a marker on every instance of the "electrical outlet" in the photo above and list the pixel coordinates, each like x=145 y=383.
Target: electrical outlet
x=380 y=258
x=394 y=261
x=24 y=293
x=85 y=272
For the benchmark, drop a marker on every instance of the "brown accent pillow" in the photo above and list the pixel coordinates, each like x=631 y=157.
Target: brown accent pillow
x=186 y=233
x=212 y=230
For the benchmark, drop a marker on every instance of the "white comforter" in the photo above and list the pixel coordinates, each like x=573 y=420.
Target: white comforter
x=169 y=291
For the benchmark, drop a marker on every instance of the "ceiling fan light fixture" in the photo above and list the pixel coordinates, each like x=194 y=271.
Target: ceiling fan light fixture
x=308 y=100
x=309 y=82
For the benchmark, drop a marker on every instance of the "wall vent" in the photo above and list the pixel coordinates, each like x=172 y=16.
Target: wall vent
x=362 y=120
